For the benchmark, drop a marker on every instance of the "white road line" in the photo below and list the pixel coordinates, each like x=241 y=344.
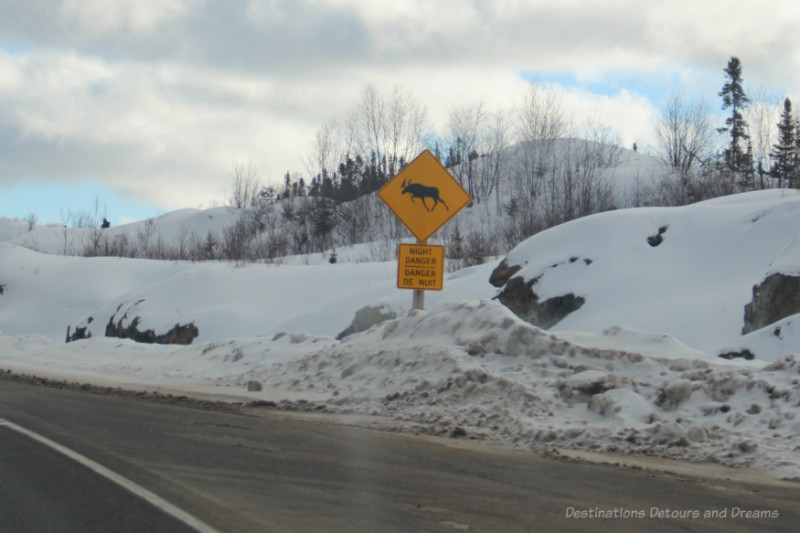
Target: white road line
x=125 y=483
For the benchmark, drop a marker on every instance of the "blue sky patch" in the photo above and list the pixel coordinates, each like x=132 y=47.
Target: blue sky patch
x=652 y=87
x=53 y=203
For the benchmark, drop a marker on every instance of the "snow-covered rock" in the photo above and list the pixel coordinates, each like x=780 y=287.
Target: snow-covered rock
x=687 y=272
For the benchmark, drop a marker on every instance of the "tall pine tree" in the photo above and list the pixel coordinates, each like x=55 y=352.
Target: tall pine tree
x=734 y=98
x=785 y=152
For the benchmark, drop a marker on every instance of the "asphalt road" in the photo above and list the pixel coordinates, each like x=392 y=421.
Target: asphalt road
x=44 y=491
x=260 y=470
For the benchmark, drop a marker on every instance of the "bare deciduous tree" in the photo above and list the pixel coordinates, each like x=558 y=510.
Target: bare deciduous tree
x=388 y=129
x=684 y=134
x=542 y=119
x=245 y=185
x=331 y=145
x=761 y=116
x=577 y=184
x=466 y=133
x=495 y=157
x=542 y=114
x=477 y=140
x=31 y=219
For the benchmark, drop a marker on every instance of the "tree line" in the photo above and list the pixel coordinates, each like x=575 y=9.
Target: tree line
x=527 y=169
x=742 y=154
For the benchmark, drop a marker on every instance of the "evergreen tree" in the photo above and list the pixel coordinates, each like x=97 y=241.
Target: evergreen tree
x=735 y=99
x=351 y=176
x=210 y=246
x=456 y=248
x=327 y=188
x=785 y=152
x=315 y=186
x=287 y=190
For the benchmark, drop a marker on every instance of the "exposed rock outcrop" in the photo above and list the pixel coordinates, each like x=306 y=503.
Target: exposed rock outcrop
x=120 y=325
x=741 y=354
x=81 y=332
x=519 y=297
x=179 y=334
x=775 y=298
x=503 y=273
x=658 y=238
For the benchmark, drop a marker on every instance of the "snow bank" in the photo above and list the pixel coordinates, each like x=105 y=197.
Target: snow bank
x=474 y=368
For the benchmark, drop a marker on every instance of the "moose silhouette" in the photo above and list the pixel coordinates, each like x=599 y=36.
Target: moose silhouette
x=417 y=190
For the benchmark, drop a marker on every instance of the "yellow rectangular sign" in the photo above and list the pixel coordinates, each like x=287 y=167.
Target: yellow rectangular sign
x=420 y=267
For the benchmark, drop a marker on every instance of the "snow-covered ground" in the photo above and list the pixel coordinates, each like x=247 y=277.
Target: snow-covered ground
x=634 y=371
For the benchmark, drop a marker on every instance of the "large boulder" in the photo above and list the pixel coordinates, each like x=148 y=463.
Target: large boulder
x=775 y=298
x=365 y=318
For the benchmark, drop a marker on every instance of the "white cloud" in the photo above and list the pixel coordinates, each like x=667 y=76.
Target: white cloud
x=158 y=97
x=104 y=16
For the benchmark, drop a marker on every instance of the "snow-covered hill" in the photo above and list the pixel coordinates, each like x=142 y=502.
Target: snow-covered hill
x=170 y=228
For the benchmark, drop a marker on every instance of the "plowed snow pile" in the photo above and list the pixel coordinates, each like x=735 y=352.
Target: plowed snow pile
x=474 y=365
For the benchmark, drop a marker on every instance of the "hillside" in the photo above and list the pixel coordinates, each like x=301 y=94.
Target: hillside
x=522 y=201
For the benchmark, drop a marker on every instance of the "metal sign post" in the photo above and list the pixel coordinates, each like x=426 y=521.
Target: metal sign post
x=418 y=301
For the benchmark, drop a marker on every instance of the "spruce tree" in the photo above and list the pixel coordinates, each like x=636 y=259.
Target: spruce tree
x=784 y=152
x=734 y=97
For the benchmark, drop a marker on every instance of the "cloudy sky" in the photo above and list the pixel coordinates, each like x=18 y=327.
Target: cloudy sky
x=146 y=104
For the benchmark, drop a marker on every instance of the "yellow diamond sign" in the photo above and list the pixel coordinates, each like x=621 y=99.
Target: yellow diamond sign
x=424 y=196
